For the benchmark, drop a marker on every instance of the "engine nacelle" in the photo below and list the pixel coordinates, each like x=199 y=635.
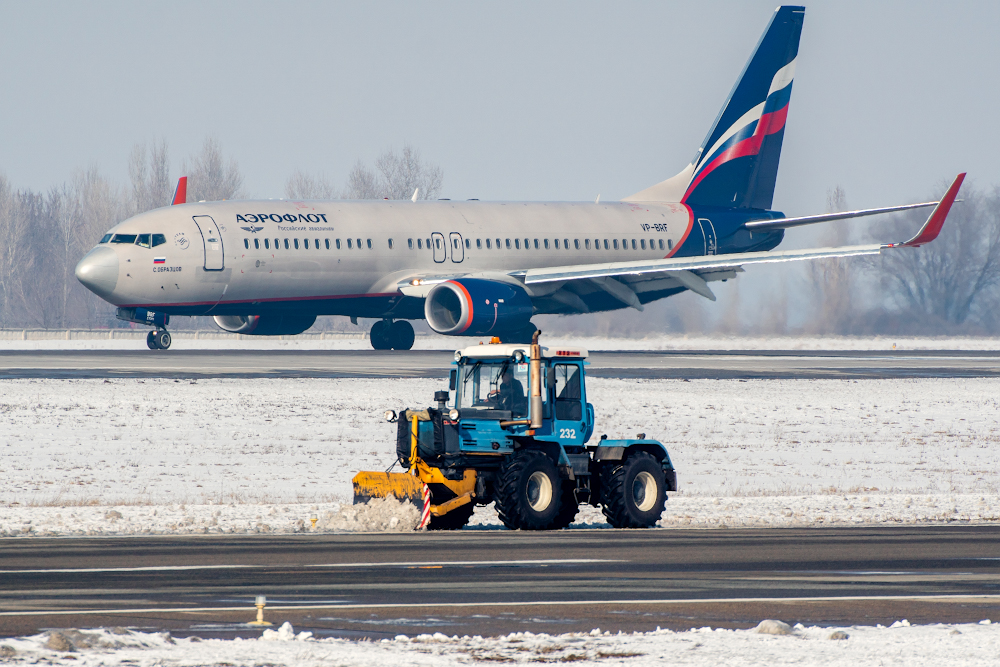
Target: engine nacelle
x=474 y=307
x=265 y=325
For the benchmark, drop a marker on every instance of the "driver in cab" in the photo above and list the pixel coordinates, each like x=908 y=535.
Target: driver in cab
x=511 y=395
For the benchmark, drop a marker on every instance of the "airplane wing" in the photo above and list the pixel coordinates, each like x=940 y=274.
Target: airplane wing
x=927 y=233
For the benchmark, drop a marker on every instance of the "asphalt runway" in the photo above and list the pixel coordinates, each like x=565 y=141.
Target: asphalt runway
x=492 y=582
x=743 y=365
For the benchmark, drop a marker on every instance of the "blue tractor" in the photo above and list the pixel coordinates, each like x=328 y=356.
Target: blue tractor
x=517 y=434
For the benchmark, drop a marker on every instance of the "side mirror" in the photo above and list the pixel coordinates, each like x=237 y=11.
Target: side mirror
x=453 y=379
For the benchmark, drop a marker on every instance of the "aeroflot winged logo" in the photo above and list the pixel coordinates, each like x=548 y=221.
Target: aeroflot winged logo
x=255 y=219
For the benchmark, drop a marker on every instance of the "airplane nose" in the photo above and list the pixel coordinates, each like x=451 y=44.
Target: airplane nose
x=98 y=271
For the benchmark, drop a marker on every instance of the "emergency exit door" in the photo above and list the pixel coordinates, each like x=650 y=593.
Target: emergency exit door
x=708 y=231
x=440 y=247
x=212 y=242
x=457 y=249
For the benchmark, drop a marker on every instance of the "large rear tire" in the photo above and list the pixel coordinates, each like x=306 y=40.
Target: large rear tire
x=528 y=491
x=453 y=520
x=633 y=491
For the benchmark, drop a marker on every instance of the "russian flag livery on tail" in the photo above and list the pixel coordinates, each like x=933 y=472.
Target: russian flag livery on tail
x=479 y=268
x=737 y=165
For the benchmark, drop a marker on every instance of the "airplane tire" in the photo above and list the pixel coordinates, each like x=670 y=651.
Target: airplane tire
x=633 y=491
x=163 y=339
x=453 y=520
x=401 y=335
x=379 y=336
x=528 y=491
x=151 y=341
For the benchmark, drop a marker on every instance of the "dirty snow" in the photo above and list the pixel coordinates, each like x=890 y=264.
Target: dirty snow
x=130 y=456
x=901 y=643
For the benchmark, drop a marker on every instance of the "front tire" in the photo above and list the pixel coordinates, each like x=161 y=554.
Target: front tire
x=528 y=491
x=633 y=491
x=453 y=520
x=162 y=339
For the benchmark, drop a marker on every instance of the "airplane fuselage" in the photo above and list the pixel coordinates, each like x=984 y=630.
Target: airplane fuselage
x=348 y=257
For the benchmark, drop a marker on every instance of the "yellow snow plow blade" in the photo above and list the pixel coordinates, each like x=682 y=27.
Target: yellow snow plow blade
x=404 y=486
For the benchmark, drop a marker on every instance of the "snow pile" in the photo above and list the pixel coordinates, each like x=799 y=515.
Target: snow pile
x=941 y=645
x=377 y=515
x=133 y=456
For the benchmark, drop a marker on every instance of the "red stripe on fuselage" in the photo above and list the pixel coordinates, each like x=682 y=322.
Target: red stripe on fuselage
x=149 y=306
x=468 y=300
x=769 y=123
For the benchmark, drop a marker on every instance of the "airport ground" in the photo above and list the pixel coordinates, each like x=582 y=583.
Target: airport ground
x=491 y=583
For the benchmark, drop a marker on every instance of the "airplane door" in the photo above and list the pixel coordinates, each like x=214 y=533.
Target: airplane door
x=708 y=232
x=440 y=249
x=212 y=241
x=457 y=249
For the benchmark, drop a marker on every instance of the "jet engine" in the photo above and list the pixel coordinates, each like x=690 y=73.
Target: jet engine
x=265 y=325
x=474 y=307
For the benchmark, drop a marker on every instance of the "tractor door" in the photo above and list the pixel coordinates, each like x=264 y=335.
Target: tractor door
x=569 y=423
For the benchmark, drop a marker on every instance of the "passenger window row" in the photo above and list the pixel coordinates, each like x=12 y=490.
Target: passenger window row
x=141 y=240
x=544 y=244
x=306 y=244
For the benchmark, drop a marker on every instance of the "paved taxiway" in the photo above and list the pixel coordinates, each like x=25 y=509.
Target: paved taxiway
x=494 y=581
x=180 y=364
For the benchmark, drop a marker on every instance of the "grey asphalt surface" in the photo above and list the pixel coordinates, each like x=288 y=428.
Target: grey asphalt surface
x=771 y=364
x=495 y=581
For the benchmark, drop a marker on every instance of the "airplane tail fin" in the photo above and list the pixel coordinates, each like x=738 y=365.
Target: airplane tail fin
x=737 y=164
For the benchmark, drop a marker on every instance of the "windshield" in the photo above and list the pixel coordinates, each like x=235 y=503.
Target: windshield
x=497 y=385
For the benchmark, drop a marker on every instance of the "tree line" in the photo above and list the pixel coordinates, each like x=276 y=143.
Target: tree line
x=951 y=286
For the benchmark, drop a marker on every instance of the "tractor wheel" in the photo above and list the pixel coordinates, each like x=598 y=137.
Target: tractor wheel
x=379 y=336
x=400 y=335
x=528 y=491
x=453 y=520
x=633 y=491
x=568 y=508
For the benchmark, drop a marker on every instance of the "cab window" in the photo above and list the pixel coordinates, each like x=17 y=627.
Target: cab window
x=124 y=238
x=159 y=239
x=569 y=403
x=106 y=238
x=142 y=240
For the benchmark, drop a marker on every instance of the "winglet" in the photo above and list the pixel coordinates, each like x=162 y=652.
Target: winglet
x=932 y=227
x=180 y=194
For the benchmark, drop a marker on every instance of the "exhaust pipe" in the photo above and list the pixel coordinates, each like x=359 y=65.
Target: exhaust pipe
x=536 y=381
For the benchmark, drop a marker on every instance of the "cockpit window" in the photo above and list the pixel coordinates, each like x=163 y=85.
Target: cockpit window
x=106 y=238
x=123 y=238
x=143 y=241
x=159 y=239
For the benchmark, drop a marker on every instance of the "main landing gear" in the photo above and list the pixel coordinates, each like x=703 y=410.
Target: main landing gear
x=389 y=335
x=158 y=339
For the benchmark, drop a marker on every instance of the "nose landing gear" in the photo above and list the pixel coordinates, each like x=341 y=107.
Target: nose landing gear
x=389 y=335
x=158 y=339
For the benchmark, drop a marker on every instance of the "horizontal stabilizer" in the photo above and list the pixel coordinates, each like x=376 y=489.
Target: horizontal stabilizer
x=786 y=223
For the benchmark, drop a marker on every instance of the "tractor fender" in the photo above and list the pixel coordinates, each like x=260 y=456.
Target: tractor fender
x=619 y=450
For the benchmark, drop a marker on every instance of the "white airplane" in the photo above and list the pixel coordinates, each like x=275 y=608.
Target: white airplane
x=478 y=268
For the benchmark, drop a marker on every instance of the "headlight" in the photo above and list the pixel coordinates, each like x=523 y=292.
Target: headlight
x=390 y=415
x=458 y=355
x=519 y=356
x=453 y=415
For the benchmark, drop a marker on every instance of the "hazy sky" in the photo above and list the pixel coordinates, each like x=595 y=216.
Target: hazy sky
x=557 y=101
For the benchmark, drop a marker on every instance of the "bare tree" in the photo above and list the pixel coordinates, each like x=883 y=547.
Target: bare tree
x=149 y=173
x=304 y=186
x=395 y=176
x=832 y=281
x=953 y=281
x=210 y=178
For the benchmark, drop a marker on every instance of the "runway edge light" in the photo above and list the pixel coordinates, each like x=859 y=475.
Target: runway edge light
x=261 y=601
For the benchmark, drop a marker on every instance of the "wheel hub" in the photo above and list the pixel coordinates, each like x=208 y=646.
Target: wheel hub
x=539 y=491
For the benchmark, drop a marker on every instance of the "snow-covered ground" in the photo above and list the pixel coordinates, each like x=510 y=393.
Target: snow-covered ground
x=129 y=456
x=218 y=340
x=771 y=643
